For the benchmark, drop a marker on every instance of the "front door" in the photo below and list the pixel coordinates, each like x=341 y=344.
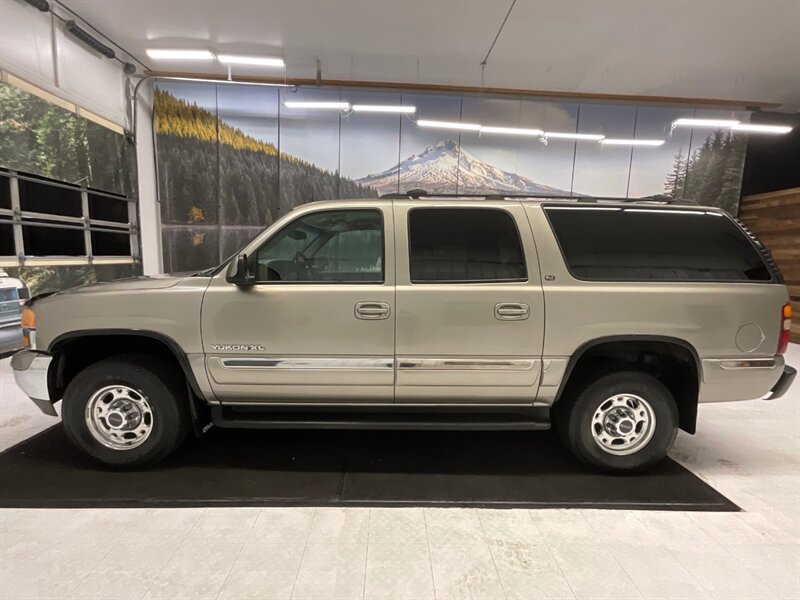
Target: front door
x=470 y=307
x=318 y=324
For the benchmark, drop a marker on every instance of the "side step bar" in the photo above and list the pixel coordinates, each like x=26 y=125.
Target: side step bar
x=472 y=421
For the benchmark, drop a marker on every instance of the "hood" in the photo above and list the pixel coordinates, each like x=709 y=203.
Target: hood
x=153 y=282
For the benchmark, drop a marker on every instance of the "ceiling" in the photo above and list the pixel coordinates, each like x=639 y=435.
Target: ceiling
x=721 y=49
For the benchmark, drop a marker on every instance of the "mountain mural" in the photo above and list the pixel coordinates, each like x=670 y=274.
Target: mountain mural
x=445 y=168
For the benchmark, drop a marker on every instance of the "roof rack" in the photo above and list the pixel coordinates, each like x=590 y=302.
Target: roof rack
x=655 y=199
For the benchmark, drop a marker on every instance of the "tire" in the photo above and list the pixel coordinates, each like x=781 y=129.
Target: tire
x=141 y=392
x=632 y=398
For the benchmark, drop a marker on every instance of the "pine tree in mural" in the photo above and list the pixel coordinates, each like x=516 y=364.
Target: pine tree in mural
x=712 y=174
x=676 y=180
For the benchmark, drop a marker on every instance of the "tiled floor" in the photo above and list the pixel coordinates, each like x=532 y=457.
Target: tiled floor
x=749 y=451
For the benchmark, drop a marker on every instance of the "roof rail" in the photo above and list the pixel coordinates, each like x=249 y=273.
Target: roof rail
x=655 y=199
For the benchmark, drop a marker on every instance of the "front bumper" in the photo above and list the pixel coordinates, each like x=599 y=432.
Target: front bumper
x=30 y=373
x=784 y=383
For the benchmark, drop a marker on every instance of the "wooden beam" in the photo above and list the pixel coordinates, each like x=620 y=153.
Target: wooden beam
x=493 y=91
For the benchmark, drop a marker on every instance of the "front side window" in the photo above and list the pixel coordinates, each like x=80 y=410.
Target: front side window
x=464 y=245
x=644 y=244
x=331 y=246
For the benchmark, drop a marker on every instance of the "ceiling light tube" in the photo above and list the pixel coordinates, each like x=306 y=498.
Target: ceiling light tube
x=511 y=130
x=264 y=61
x=595 y=137
x=705 y=123
x=449 y=125
x=323 y=105
x=383 y=108
x=163 y=54
x=758 y=128
x=616 y=142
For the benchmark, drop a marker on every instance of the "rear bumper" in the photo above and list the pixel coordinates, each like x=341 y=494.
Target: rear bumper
x=784 y=383
x=30 y=373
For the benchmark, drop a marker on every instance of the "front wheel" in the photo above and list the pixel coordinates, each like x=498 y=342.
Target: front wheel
x=126 y=411
x=624 y=421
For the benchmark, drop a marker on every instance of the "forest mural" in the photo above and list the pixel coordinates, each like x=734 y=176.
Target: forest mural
x=232 y=159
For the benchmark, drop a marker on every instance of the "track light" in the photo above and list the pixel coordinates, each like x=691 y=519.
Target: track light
x=383 y=108
x=511 y=130
x=618 y=142
x=594 y=137
x=758 y=128
x=88 y=39
x=263 y=61
x=322 y=105
x=166 y=54
x=449 y=125
x=714 y=123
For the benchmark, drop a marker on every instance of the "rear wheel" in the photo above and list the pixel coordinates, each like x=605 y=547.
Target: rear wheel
x=126 y=411
x=623 y=421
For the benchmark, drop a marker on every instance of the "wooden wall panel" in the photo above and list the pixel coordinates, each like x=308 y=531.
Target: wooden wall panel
x=775 y=218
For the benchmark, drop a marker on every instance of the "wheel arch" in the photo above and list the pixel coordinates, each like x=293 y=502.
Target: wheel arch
x=65 y=345
x=680 y=365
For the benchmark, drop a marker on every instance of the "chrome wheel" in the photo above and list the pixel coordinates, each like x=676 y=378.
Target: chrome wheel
x=119 y=417
x=623 y=424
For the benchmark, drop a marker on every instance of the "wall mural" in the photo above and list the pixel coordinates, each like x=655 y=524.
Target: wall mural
x=232 y=159
x=40 y=138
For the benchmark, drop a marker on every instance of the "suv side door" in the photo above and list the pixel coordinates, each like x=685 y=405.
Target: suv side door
x=318 y=324
x=470 y=307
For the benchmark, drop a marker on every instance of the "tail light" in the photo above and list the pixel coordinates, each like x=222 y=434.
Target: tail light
x=786 y=325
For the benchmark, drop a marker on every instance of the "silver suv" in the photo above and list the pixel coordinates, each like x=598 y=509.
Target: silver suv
x=610 y=319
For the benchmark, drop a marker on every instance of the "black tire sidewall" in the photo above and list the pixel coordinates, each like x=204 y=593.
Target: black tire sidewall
x=578 y=425
x=167 y=427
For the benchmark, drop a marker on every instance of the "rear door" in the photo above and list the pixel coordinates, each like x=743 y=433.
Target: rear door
x=470 y=312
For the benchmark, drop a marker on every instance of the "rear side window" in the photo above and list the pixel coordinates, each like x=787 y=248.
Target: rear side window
x=639 y=244
x=463 y=245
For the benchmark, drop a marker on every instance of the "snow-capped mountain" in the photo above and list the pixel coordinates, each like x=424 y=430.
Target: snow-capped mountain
x=444 y=168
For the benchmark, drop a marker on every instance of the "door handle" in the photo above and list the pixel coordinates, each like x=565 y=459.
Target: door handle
x=511 y=311
x=372 y=310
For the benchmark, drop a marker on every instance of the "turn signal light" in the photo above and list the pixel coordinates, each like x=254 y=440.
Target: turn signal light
x=28 y=318
x=786 y=325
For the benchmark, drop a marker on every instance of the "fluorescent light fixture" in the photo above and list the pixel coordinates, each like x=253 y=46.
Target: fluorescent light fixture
x=449 y=125
x=511 y=130
x=180 y=54
x=323 y=105
x=264 y=61
x=383 y=108
x=757 y=128
x=723 y=123
x=595 y=137
x=614 y=142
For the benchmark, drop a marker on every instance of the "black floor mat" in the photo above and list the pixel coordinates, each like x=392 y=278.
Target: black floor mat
x=346 y=468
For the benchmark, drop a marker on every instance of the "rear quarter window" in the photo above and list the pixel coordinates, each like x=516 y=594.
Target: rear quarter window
x=640 y=244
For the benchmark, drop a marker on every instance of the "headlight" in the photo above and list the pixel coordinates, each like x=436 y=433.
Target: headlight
x=29 y=328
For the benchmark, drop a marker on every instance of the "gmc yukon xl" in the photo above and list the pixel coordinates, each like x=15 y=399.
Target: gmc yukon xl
x=612 y=320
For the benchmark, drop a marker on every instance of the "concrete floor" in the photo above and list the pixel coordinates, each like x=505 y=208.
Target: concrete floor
x=749 y=451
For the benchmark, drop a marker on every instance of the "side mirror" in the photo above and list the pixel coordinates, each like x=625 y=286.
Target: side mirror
x=238 y=272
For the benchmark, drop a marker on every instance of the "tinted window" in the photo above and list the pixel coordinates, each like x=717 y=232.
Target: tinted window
x=336 y=246
x=50 y=199
x=464 y=245
x=105 y=243
x=651 y=244
x=105 y=208
x=53 y=241
x=5 y=192
x=6 y=238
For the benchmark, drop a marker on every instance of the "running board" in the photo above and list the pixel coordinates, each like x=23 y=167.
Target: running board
x=266 y=419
